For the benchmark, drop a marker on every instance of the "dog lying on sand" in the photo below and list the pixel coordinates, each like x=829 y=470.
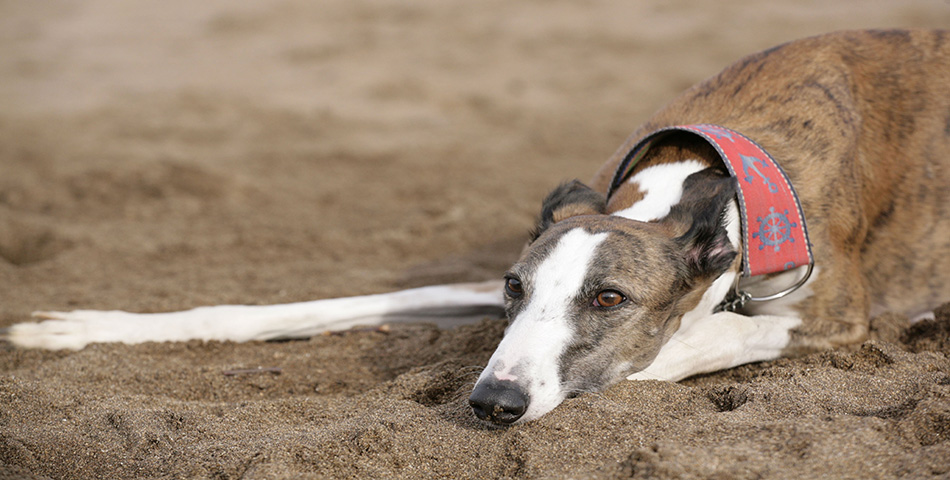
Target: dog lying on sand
x=770 y=210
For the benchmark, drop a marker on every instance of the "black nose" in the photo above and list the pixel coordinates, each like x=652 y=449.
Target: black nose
x=498 y=401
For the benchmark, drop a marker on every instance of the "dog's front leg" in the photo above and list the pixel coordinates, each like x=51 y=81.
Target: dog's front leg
x=722 y=340
x=445 y=305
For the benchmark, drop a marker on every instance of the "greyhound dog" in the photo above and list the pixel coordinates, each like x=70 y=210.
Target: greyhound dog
x=671 y=263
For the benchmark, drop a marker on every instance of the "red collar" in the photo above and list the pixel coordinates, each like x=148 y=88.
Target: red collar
x=767 y=201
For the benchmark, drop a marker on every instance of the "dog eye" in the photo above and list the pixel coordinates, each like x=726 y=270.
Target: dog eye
x=513 y=287
x=608 y=298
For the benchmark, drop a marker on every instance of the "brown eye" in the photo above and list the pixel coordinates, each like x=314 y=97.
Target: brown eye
x=513 y=287
x=609 y=298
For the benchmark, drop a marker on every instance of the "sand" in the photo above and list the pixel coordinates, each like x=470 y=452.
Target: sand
x=162 y=155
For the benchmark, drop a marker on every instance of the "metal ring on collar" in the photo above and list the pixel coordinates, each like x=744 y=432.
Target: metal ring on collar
x=738 y=298
x=780 y=294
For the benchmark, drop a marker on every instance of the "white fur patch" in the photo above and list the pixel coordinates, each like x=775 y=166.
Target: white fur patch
x=717 y=342
x=663 y=185
x=538 y=335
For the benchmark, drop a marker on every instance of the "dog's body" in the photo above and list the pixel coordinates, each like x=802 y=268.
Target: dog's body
x=628 y=287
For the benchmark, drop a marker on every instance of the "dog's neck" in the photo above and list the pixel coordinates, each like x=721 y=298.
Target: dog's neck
x=653 y=168
x=657 y=185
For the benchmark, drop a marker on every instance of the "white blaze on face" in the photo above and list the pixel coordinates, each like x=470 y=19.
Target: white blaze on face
x=663 y=187
x=529 y=353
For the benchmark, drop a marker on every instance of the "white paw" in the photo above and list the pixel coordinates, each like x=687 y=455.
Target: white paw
x=62 y=330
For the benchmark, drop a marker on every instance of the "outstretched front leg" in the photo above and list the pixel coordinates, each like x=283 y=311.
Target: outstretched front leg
x=446 y=305
x=718 y=342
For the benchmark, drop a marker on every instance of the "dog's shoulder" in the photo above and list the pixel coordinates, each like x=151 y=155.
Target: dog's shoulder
x=796 y=96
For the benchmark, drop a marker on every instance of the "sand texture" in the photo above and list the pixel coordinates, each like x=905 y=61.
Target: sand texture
x=162 y=155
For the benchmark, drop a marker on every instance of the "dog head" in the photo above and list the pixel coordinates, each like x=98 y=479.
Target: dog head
x=595 y=296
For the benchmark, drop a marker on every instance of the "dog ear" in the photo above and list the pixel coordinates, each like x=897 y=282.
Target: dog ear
x=569 y=200
x=702 y=214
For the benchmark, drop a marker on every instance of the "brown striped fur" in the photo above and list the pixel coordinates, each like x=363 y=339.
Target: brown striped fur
x=860 y=121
